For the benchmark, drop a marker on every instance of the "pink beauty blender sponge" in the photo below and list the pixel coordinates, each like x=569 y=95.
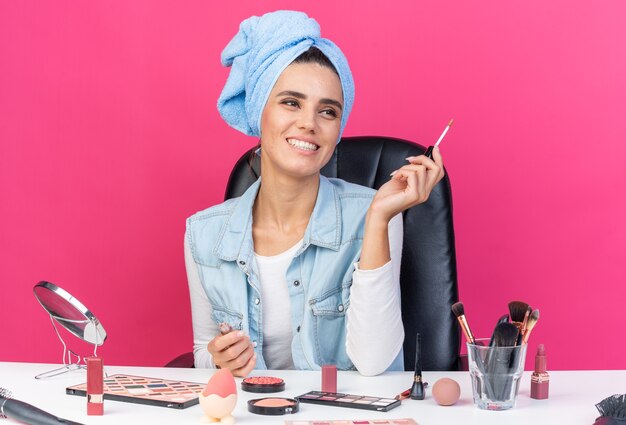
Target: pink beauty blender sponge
x=219 y=397
x=446 y=391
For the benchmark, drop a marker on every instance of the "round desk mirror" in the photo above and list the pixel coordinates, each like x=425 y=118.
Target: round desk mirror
x=72 y=315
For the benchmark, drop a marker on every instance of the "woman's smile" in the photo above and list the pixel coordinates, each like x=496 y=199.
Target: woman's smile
x=302 y=145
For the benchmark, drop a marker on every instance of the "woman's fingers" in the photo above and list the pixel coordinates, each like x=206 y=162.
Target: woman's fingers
x=439 y=161
x=438 y=158
x=241 y=360
x=434 y=166
x=420 y=175
x=244 y=371
x=221 y=342
x=227 y=348
x=415 y=191
x=236 y=350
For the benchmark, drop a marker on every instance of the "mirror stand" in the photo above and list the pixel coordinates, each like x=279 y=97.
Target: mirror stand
x=72 y=315
x=69 y=363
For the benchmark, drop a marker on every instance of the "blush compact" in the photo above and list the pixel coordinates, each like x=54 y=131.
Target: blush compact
x=273 y=406
x=263 y=384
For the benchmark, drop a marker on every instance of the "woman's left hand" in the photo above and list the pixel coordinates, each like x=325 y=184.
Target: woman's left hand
x=410 y=185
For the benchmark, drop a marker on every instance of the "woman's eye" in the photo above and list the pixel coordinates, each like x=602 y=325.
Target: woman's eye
x=290 y=102
x=330 y=113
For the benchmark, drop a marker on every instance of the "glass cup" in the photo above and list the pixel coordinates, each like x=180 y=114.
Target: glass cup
x=495 y=373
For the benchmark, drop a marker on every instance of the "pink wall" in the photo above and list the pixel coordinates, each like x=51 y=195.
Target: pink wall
x=109 y=139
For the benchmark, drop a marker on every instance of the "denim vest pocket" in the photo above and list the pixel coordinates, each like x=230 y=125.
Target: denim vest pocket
x=329 y=326
x=222 y=314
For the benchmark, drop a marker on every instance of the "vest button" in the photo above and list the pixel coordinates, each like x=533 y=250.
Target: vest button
x=340 y=308
x=296 y=283
x=254 y=344
x=243 y=263
x=298 y=329
x=257 y=301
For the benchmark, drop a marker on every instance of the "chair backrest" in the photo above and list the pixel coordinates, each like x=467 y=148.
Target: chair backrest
x=428 y=276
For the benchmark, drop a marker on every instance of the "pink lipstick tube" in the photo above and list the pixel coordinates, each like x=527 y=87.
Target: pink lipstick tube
x=95 y=386
x=540 y=380
x=329 y=378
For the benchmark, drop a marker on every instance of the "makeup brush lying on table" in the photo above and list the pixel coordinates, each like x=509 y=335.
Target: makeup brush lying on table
x=25 y=413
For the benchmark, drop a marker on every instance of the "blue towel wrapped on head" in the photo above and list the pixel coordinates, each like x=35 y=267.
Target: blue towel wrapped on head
x=258 y=54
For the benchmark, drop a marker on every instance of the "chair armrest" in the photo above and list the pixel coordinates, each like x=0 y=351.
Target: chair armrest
x=184 y=361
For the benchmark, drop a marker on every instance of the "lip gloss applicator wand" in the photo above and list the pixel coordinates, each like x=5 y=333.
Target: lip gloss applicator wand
x=429 y=151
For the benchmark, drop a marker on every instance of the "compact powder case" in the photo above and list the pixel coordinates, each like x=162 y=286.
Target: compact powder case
x=263 y=384
x=273 y=406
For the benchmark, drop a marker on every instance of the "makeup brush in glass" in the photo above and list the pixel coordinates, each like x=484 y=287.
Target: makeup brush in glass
x=26 y=413
x=532 y=321
x=518 y=310
x=499 y=362
x=429 y=151
x=459 y=311
x=519 y=316
x=503 y=319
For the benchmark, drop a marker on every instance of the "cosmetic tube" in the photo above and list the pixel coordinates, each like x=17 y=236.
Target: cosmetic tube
x=540 y=380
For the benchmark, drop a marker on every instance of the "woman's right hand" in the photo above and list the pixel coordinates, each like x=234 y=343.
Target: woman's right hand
x=233 y=351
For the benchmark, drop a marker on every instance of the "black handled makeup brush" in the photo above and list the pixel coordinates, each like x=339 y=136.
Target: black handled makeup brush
x=504 y=337
x=612 y=410
x=502 y=319
x=417 y=389
x=25 y=413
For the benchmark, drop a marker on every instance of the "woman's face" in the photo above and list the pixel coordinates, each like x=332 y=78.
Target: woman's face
x=301 y=121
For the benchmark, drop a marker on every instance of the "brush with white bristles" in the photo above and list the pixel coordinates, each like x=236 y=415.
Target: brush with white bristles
x=532 y=321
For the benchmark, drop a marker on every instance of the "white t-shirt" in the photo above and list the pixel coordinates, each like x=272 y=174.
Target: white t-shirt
x=276 y=308
x=375 y=333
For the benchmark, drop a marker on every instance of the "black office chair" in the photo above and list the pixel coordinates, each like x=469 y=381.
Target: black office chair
x=428 y=278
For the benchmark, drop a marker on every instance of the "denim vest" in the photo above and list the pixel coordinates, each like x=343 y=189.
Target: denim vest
x=319 y=277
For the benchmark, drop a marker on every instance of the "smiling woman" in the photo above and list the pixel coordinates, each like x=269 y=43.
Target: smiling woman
x=301 y=121
x=304 y=269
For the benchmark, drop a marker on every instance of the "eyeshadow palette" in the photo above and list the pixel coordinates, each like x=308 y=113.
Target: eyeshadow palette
x=143 y=390
x=407 y=421
x=349 y=400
